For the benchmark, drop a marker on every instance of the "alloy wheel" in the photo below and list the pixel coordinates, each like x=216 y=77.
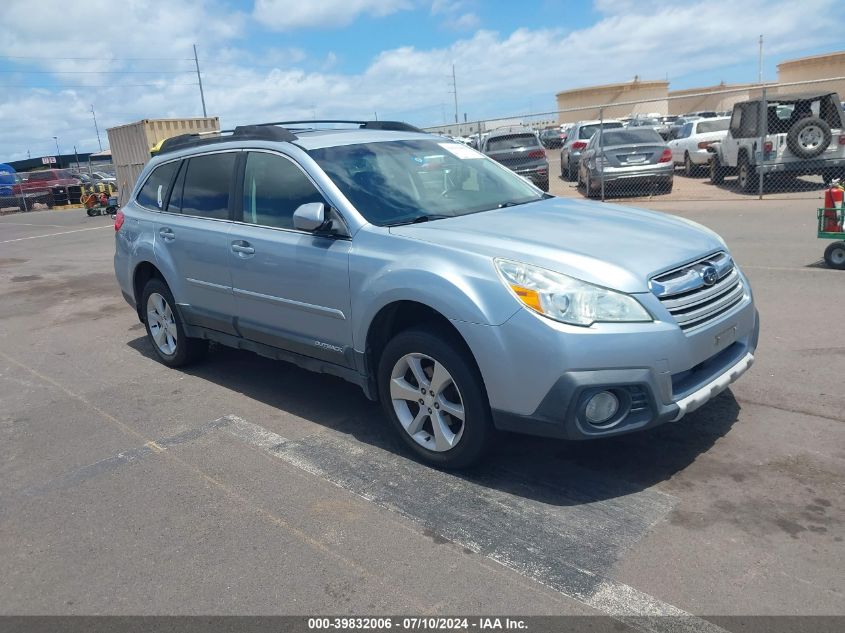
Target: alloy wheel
x=427 y=402
x=162 y=324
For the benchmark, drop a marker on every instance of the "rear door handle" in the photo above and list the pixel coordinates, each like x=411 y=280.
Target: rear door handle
x=167 y=234
x=242 y=248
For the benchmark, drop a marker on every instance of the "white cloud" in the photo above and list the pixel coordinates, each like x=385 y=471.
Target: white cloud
x=456 y=14
x=286 y=15
x=497 y=73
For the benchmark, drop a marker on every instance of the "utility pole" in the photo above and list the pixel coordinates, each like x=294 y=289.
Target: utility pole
x=455 y=92
x=199 y=78
x=760 y=62
x=96 y=129
x=58 y=152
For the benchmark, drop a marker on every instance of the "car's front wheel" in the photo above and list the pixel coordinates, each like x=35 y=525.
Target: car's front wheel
x=433 y=394
x=164 y=327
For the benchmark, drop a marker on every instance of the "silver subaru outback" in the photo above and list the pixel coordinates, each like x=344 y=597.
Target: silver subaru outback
x=455 y=292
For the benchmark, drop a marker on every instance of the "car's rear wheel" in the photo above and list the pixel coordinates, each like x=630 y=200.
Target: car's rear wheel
x=570 y=172
x=544 y=185
x=433 y=394
x=689 y=167
x=746 y=175
x=164 y=327
x=834 y=255
x=717 y=172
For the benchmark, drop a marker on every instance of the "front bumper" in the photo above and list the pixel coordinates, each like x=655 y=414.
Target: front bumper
x=660 y=372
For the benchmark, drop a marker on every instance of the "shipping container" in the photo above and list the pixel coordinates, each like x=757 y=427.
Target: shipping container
x=131 y=144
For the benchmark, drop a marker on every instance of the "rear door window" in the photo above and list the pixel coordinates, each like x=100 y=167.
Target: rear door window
x=153 y=194
x=208 y=184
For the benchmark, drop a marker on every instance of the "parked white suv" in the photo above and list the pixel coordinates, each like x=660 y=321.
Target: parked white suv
x=802 y=135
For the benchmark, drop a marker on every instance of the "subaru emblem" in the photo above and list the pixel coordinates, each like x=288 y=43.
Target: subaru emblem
x=709 y=275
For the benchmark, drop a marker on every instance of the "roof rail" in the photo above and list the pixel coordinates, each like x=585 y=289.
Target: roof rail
x=274 y=131
x=241 y=132
x=393 y=126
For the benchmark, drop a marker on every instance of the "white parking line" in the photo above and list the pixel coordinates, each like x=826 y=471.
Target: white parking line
x=35 y=237
x=53 y=226
x=337 y=461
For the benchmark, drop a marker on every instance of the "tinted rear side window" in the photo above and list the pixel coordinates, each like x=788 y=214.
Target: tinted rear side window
x=208 y=180
x=154 y=192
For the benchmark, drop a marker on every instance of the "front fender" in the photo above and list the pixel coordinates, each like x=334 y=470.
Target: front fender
x=459 y=286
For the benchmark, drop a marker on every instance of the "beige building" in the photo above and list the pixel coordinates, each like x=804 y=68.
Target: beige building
x=582 y=102
x=710 y=98
x=815 y=67
x=720 y=97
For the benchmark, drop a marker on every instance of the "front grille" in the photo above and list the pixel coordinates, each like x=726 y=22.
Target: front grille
x=688 y=297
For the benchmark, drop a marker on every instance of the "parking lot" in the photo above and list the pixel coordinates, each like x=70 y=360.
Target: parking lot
x=248 y=486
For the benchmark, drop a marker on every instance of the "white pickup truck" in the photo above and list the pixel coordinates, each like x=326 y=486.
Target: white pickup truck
x=801 y=134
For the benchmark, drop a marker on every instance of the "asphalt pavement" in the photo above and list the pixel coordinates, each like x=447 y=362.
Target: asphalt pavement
x=248 y=486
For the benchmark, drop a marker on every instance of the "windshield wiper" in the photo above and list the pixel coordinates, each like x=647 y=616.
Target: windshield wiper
x=422 y=218
x=513 y=203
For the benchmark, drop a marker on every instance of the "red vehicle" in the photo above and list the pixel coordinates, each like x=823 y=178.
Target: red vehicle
x=41 y=181
x=40 y=188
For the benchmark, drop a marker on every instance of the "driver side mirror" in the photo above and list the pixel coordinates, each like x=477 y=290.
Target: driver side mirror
x=310 y=216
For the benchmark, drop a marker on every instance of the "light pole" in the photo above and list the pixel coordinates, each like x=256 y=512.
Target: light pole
x=96 y=129
x=58 y=152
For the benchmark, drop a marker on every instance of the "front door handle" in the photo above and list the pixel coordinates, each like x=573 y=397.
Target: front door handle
x=167 y=234
x=242 y=248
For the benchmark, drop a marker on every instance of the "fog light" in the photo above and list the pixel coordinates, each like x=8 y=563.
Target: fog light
x=601 y=407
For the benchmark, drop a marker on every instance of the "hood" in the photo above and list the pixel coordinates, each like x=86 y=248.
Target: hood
x=606 y=244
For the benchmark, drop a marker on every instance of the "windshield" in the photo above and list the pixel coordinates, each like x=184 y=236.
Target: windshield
x=511 y=141
x=713 y=126
x=631 y=137
x=402 y=181
x=587 y=131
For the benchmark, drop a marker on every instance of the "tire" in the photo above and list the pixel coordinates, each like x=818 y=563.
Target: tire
x=544 y=185
x=834 y=255
x=91 y=213
x=588 y=187
x=184 y=350
x=809 y=137
x=689 y=167
x=570 y=175
x=717 y=172
x=668 y=186
x=746 y=175
x=422 y=350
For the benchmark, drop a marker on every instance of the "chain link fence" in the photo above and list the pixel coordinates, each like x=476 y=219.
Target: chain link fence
x=759 y=140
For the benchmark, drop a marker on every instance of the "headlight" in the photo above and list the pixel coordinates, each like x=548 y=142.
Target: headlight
x=566 y=299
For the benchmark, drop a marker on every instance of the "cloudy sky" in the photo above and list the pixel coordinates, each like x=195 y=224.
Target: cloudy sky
x=288 y=59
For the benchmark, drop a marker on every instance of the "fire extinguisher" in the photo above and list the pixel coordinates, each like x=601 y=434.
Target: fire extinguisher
x=833 y=209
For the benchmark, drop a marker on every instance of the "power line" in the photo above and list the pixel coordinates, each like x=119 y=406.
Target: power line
x=99 y=59
x=62 y=86
x=95 y=72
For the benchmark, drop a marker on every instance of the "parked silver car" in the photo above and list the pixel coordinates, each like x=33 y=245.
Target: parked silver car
x=520 y=150
x=445 y=286
x=576 y=142
x=634 y=156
